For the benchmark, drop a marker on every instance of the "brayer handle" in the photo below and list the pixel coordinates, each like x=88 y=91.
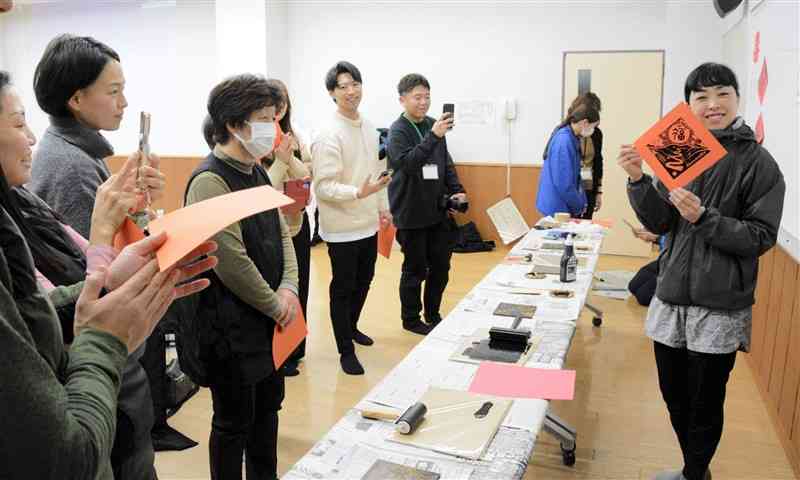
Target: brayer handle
x=379 y=415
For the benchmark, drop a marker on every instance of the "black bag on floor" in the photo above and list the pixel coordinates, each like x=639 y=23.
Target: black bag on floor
x=194 y=340
x=467 y=239
x=180 y=387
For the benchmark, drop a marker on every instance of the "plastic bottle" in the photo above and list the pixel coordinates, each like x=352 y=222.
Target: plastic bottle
x=569 y=262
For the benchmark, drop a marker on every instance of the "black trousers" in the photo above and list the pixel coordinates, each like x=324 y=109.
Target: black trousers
x=352 y=266
x=302 y=249
x=693 y=387
x=426 y=258
x=591 y=201
x=132 y=455
x=245 y=421
x=154 y=363
x=643 y=284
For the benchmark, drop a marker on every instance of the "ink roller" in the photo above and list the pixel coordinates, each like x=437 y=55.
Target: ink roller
x=405 y=423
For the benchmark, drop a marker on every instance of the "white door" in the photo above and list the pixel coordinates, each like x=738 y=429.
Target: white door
x=630 y=86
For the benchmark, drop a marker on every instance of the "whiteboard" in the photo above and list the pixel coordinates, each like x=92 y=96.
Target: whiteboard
x=775 y=22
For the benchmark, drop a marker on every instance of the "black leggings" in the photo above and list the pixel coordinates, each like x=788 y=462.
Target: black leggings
x=693 y=387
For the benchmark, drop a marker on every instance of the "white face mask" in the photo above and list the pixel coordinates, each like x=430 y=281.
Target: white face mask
x=587 y=132
x=262 y=139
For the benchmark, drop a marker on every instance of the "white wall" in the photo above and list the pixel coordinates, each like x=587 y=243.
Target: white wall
x=241 y=36
x=488 y=50
x=168 y=53
x=779 y=24
x=277 y=39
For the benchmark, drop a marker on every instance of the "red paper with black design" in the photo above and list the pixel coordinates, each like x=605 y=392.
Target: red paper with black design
x=679 y=148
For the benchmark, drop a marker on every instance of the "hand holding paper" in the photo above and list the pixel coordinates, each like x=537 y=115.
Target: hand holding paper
x=687 y=203
x=136 y=255
x=630 y=161
x=286 y=339
x=386 y=236
x=190 y=226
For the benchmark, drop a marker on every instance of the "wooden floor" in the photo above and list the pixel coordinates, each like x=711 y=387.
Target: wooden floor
x=623 y=430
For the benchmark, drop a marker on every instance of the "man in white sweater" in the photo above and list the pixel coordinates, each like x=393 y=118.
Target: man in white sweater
x=349 y=182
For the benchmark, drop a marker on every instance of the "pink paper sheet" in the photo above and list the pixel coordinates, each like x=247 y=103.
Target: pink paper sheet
x=521 y=382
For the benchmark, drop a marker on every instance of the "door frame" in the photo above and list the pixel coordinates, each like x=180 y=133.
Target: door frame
x=564 y=71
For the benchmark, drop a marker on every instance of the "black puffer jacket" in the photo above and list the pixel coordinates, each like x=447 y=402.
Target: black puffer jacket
x=714 y=263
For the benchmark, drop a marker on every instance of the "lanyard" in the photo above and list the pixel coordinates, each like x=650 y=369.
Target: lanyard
x=415 y=127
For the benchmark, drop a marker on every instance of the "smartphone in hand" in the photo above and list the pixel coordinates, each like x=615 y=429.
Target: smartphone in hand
x=451 y=109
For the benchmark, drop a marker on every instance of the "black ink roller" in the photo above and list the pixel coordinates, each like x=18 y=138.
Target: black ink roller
x=411 y=418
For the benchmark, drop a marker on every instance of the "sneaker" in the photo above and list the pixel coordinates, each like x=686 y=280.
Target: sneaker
x=351 y=365
x=362 y=339
x=418 y=327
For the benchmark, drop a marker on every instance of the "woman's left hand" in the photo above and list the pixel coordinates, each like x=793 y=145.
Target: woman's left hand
x=687 y=203
x=598 y=201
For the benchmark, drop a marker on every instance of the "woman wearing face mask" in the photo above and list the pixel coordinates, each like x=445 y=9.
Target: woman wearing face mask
x=560 y=188
x=291 y=160
x=591 y=158
x=253 y=288
x=61 y=403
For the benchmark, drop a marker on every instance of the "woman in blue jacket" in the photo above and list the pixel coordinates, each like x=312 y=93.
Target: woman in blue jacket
x=560 y=182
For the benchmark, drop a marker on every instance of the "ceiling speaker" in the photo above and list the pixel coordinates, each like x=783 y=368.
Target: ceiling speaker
x=724 y=7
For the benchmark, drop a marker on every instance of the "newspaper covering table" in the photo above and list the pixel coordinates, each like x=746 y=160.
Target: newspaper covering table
x=353 y=444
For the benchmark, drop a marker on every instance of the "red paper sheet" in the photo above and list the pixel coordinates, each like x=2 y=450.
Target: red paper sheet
x=298 y=190
x=386 y=240
x=679 y=148
x=286 y=340
x=504 y=380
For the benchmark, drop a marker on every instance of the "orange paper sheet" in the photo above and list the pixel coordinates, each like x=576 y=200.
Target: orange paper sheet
x=190 y=226
x=286 y=340
x=386 y=239
x=128 y=233
x=603 y=222
x=679 y=148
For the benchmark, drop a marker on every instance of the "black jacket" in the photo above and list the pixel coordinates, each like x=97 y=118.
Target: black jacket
x=597 y=162
x=415 y=202
x=714 y=263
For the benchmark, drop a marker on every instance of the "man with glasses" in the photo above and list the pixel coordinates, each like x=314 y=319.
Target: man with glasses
x=349 y=182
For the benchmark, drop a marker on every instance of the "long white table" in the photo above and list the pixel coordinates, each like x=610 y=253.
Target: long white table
x=353 y=444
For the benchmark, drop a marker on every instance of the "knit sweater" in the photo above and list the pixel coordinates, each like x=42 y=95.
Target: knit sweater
x=343 y=156
x=68 y=167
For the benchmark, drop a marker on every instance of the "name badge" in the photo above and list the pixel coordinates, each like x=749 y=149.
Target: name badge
x=430 y=172
x=586 y=178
